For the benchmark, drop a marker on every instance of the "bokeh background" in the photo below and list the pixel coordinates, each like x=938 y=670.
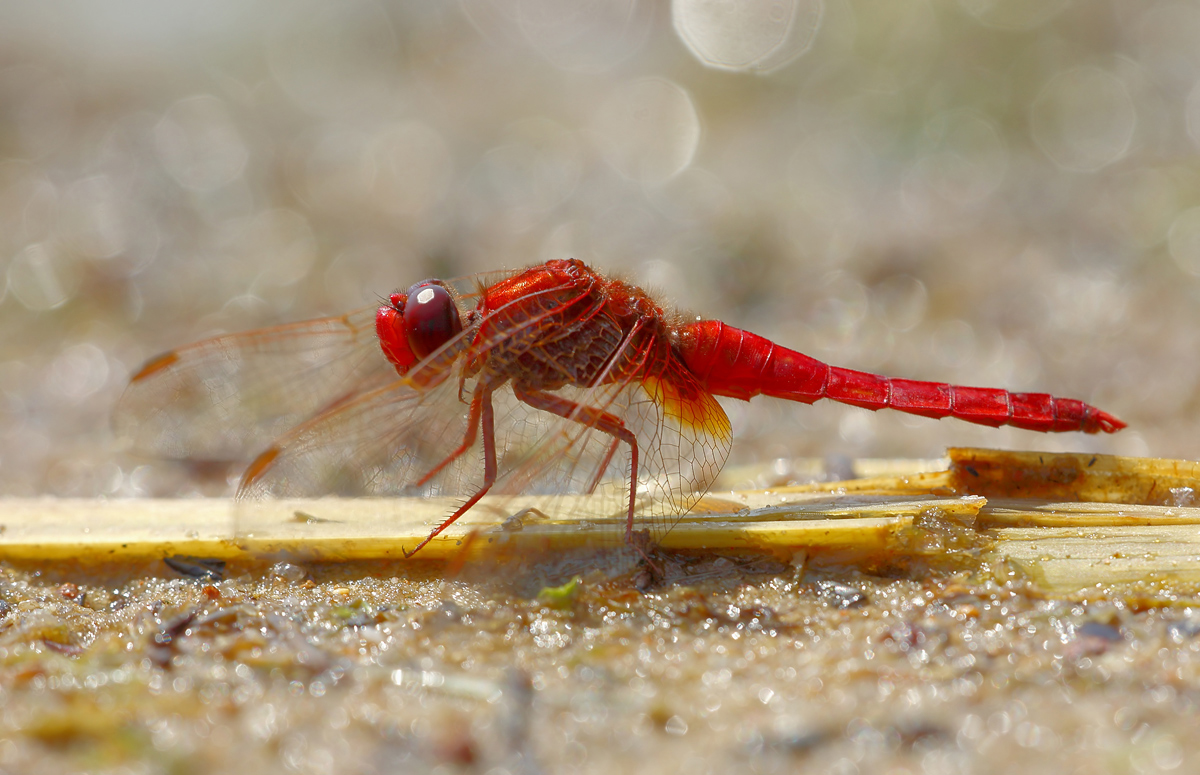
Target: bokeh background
x=989 y=192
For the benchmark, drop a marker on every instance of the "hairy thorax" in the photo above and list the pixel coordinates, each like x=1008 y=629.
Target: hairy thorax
x=572 y=327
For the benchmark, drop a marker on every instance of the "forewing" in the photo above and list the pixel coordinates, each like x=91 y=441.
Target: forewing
x=228 y=397
x=382 y=442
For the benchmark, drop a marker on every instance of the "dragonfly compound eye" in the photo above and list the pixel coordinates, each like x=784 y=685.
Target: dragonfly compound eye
x=431 y=318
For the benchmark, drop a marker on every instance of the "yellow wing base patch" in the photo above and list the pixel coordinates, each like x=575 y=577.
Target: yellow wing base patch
x=685 y=402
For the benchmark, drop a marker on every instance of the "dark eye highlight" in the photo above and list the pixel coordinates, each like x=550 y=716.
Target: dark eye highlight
x=431 y=317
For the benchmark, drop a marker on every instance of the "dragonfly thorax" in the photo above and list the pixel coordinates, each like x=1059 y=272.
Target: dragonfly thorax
x=570 y=328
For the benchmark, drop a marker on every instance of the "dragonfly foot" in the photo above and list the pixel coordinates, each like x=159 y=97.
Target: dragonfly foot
x=641 y=543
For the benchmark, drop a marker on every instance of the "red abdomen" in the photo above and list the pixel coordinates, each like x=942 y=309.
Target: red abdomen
x=738 y=364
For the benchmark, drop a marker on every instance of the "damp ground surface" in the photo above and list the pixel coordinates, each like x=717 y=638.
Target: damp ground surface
x=586 y=663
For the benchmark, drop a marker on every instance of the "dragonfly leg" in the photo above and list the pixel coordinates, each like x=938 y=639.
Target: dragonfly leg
x=480 y=415
x=602 y=421
x=483 y=395
x=608 y=456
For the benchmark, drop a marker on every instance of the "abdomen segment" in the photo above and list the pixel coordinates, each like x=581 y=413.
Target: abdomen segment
x=738 y=364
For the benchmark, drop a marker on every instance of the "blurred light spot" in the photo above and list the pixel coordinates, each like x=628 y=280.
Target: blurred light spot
x=900 y=44
x=326 y=165
x=365 y=273
x=125 y=35
x=245 y=310
x=103 y=217
x=1140 y=204
x=1192 y=114
x=675 y=726
x=94 y=218
x=279 y=246
x=661 y=276
x=234 y=202
x=872 y=346
x=1183 y=241
x=953 y=344
x=524 y=178
x=1083 y=304
x=199 y=145
x=43 y=278
x=567 y=240
x=40 y=210
x=761 y=35
x=841 y=308
x=38 y=110
x=16 y=376
x=900 y=302
x=495 y=20
x=1166 y=35
x=1083 y=119
x=409 y=168
x=695 y=197
x=1013 y=14
x=585 y=35
x=71 y=476
x=78 y=372
x=113 y=480
x=964 y=165
x=831 y=176
x=856 y=426
x=28 y=206
x=1167 y=752
x=335 y=58
x=649 y=130
x=625 y=236
x=1023 y=363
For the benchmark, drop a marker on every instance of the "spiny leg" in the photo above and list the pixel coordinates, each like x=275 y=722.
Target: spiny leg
x=605 y=376
x=603 y=421
x=473 y=415
x=481 y=414
x=608 y=456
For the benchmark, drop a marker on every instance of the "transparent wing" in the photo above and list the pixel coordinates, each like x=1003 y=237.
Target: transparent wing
x=228 y=397
x=387 y=441
x=380 y=443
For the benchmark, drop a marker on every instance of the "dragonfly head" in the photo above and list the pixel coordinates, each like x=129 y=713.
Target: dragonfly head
x=414 y=324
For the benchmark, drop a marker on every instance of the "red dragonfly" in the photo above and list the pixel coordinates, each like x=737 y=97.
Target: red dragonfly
x=558 y=379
